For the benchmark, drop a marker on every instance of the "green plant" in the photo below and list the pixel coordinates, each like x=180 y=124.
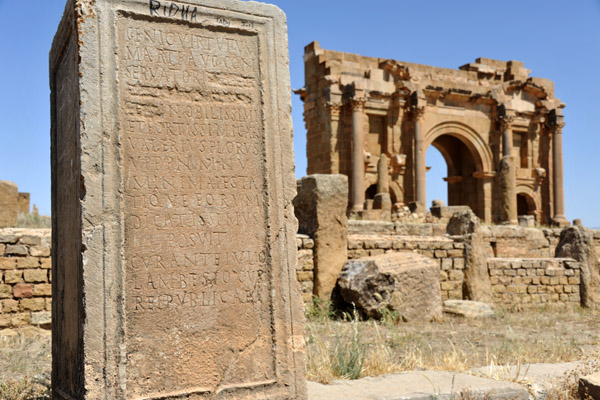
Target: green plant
x=348 y=358
x=318 y=310
x=390 y=317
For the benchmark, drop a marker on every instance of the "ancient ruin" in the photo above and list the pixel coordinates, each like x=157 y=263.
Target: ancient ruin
x=173 y=234
x=12 y=203
x=498 y=129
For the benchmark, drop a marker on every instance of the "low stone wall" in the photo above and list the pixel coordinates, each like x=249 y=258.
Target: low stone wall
x=25 y=276
x=534 y=281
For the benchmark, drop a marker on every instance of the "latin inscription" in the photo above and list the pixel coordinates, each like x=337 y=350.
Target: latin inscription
x=196 y=251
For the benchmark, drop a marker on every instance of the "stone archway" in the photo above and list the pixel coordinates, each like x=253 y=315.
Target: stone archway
x=528 y=202
x=470 y=165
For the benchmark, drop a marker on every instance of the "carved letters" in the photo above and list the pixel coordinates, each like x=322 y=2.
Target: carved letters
x=192 y=145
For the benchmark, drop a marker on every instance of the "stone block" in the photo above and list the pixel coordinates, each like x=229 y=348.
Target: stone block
x=405 y=282
x=34 y=304
x=20 y=319
x=589 y=386
x=9 y=305
x=440 y=253
x=16 y=250
x=456 y=275
x=22 y=290
x=229 y=323
x=41 y=318
x=13 y=276
x=8 y=263
x=45 y=263
x=40 y=251
x=27 y=262
x=8 y=239
x=5 y=320
x=6 y=291
x=30 y=240
x=35 y=275
x=42 y=289
x=455 y=253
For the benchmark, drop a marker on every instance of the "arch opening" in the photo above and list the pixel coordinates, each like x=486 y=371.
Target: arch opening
x=525 y=204
x=462 y=188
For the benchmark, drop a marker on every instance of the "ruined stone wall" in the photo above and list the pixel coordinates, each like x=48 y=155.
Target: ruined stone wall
x=534 y=281
x=25 y=278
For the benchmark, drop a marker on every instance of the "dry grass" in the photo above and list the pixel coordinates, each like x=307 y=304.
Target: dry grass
x=33 y=221
x=25 y=357
x=548 y=335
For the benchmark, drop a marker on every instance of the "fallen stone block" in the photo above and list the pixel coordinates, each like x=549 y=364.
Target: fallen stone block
x=404 y=282
x=468 y=308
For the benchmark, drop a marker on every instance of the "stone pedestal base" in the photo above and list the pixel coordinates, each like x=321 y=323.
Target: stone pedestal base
x=382 y=201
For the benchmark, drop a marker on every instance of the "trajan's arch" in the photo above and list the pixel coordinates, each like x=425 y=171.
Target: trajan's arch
x=498 y=128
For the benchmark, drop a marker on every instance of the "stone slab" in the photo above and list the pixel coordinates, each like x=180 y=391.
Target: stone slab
x=417 y=385
x=173 y=232
x=539 y=378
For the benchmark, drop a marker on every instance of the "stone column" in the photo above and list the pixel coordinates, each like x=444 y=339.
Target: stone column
x=508 y=181
x=382 y=200
x=420 y=179
x=556 y=125
x=333 y=111
x=358 y=155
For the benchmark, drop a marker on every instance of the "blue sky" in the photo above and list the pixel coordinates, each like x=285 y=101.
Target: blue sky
x=557 y=40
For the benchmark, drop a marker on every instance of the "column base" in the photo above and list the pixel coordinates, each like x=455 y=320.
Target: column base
x=560 y=221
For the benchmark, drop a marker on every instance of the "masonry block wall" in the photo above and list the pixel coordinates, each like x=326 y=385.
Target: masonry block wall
x=25 y=278
x=535 y=281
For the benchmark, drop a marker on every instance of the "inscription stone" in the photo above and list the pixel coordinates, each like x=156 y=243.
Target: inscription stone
x=184 y=186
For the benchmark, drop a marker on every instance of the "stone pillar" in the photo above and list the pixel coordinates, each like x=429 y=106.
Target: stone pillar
x=382 y=200
x=358 y=155
x=320 y=207
x=419 y=162
x=507 y=172
x=206 y=308
x=556 y=125
x=333 y=111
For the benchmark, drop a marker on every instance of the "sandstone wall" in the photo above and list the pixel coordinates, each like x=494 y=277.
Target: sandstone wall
x=25 y=278
x=534 y=281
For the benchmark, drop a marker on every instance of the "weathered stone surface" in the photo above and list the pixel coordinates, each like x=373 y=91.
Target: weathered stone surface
x=418 y=385
x=477 y=279
x=22 y=290
x=172 y=172
x=320 y=207
x=463 y=223
x=9 y=204
x=23 y=203
x=41 y=318
x=447 y=212
x=589 y=386
x=468 y=308
x=408 y=283
x=577 y=242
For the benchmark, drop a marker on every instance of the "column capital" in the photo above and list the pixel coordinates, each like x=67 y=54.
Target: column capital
x=417 y=104
x=506 y=117
x=334 y=110
x=555 y=121
x=357 y=103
